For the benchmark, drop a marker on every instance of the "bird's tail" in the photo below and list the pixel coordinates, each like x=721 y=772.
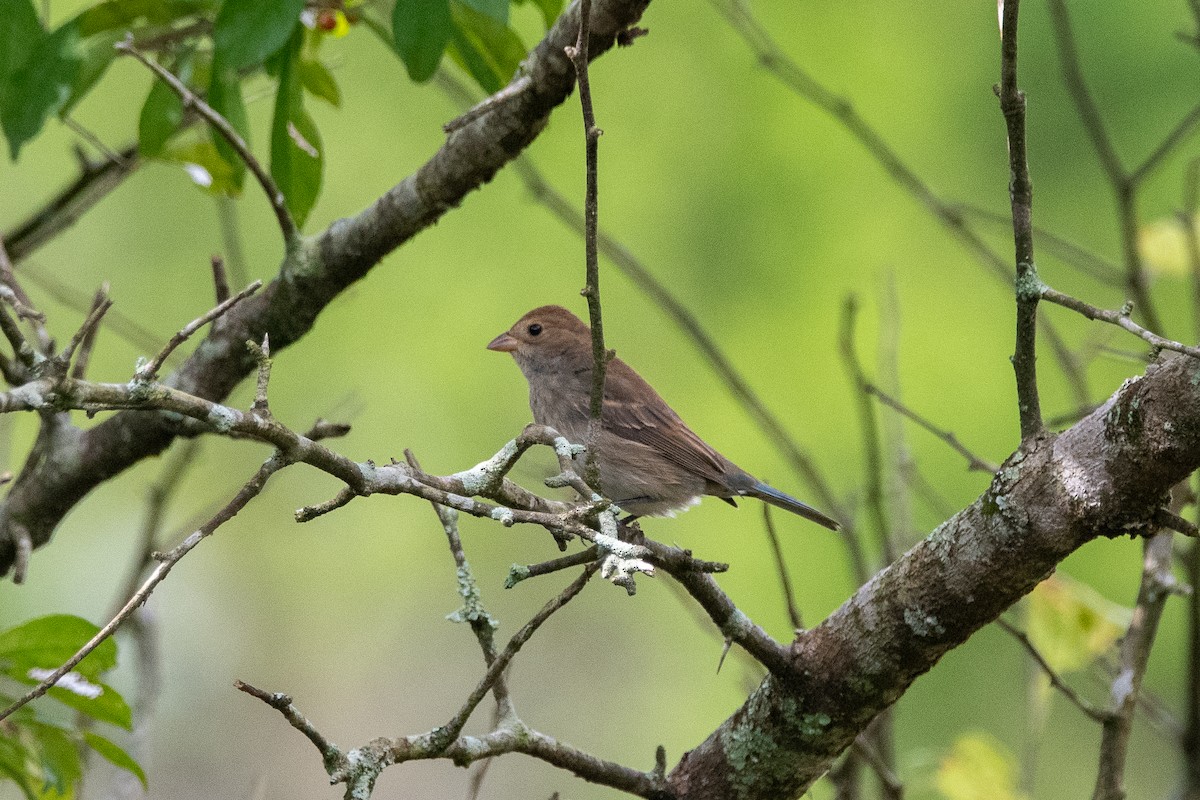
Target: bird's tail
x=789 y=503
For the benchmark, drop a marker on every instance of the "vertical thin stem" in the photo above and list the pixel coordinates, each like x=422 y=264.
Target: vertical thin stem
x=1020 y=188
x=591 y=216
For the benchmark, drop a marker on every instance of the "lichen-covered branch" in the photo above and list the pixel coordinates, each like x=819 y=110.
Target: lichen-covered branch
x=1104 y=477
x=62 y=470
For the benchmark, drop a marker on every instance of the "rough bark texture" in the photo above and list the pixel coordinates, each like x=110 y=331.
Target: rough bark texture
x=68 y=464
x=1103 y=477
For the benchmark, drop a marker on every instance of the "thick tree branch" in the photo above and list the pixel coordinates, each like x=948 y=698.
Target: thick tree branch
x=1105 y=476
x=59 y=475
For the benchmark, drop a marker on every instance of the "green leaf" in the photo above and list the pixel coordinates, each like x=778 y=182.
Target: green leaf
x=107 y=706
x=120 y=15
x=14 y=762
x=978 y=768
x=225 y=96
x=40 y=86
x=20 y=33
x=162 y=112
x=95 y=54
x=318 y=81
x=112 y=753
x=247 y=32
x=58 y=757
x=47 y=642
x=496 y=9
x=489 y=51
x=1070 y=623
x=421 y=29
x=205 y=166
x=296 y=160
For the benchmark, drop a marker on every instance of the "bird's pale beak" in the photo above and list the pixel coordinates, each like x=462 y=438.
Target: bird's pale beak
x=504 y=343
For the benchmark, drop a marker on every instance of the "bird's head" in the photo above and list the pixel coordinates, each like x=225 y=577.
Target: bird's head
x=546 y=339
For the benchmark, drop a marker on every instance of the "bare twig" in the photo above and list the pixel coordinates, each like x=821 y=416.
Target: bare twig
x=869 y=425
x=86 y=331
x=1012 y=104
x=1119 y=318
x=1123 y=183
x=591 y=134
x=168 y=561
x=449 y=732
x=79 y=371
x=283 y=704
x=1156 y=585
x=520 y=572
x=974 y=462
x=287 y=225
x=149 y=370
x=785 y=579
x=1098 y=714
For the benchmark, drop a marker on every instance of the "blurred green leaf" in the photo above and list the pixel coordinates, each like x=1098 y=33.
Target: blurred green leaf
x=58 y=757
x=247 y=32
x=496 y=9
x=225 y=97
x=163 y=111
x=206 y=167
x=107 y=706
x=95 y=54
x=1070 y=623
x=14 y=762
x=20 y=33
x=550 y=9
x=489 y=51
x=319 y=82
x=296 y=160
x=40 y=86
x=112 y=753
x=120 y=15
x=421 y=29
x=978 y=768
x=47 y=643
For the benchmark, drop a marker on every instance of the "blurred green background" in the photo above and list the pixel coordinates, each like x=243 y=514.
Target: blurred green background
x=762 y=215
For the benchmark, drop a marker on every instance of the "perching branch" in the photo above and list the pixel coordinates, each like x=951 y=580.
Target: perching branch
x=287 y=307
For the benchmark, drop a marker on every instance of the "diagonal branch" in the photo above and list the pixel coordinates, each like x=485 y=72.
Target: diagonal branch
x=55 y=478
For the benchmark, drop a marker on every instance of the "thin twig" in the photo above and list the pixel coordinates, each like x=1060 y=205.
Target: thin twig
x=149 y=370
x=974 y=462
x=283 y=704
x=1012 y=105
x=591 y=214
x=287 y=225
x=1119 y=318
x=79 y=371
x=168 y=561
x=1135 y=648
x=449 y=732
x=1123 y=185
x=785 y=579
x=1098 y=714
x=520 y=572
x=86 y=330
x=869 y=426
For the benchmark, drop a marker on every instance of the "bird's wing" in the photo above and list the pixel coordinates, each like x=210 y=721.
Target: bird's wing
x=634 y=411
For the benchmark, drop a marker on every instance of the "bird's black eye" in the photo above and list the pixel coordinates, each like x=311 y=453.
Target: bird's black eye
x=535 y=329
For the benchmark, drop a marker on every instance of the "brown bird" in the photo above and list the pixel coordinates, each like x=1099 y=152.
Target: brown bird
x=651 y=463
